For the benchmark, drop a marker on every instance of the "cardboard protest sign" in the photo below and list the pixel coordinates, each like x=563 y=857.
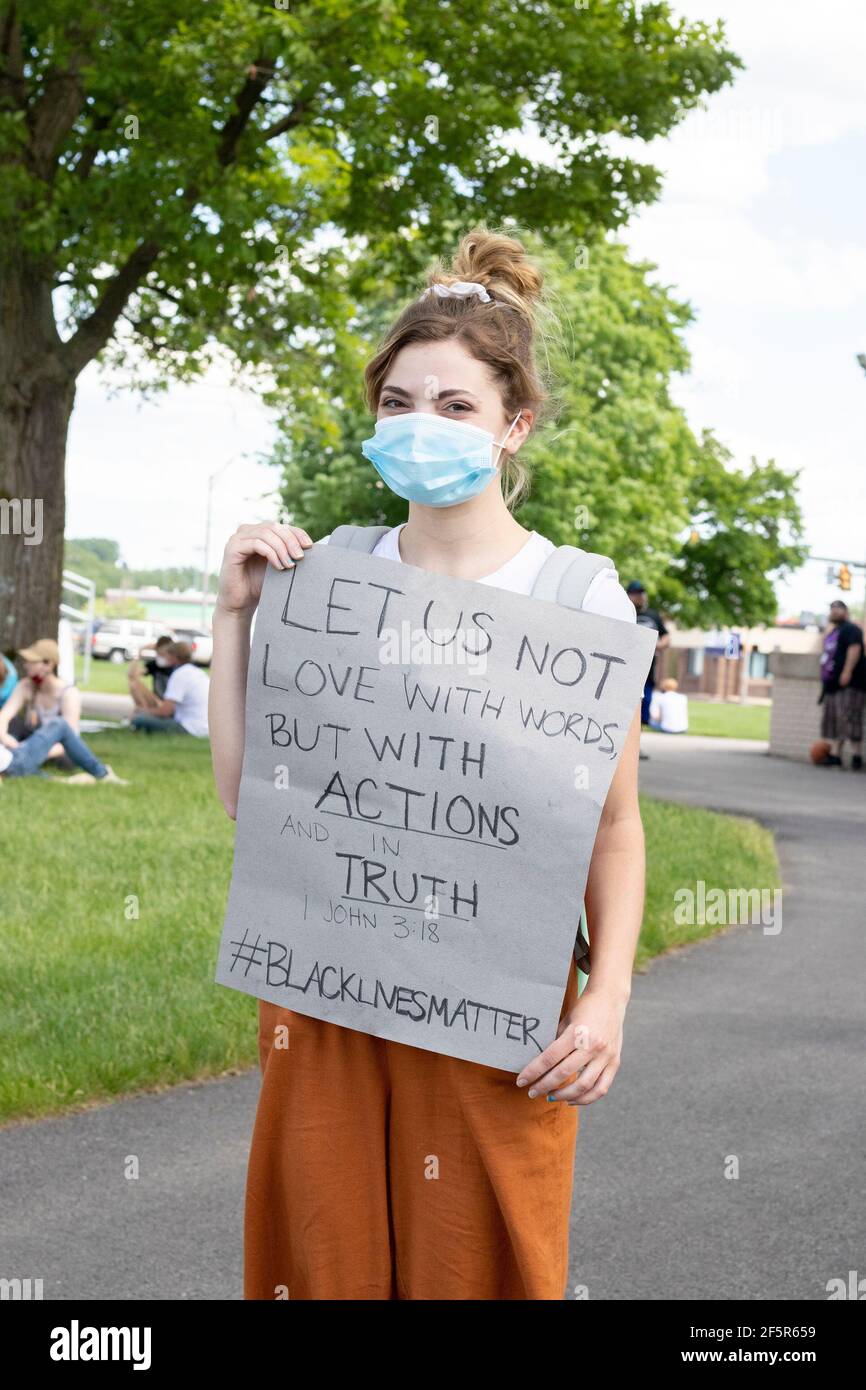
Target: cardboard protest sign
x=425 y=765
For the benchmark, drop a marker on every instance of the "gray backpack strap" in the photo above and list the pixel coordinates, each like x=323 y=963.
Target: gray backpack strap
x=364 y=538
x=564 y=578
x=566 y=575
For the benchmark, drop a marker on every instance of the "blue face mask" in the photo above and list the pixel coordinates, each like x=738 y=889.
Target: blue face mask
x=424 y=458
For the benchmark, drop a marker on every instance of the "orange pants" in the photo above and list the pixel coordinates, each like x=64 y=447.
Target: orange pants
x=382 y=1171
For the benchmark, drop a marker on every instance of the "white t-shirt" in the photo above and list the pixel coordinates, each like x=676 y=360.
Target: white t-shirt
x=670 y=709
x=605 y=595
x=188 y=688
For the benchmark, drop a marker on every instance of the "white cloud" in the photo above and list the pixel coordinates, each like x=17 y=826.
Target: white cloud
x=713 y=257
x=138 y=472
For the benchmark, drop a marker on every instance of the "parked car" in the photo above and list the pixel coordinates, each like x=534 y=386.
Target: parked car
x=79 y=633
x=124 y=639
x=200 y=641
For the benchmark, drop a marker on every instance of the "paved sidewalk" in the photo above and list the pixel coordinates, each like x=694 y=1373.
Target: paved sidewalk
x=97 y=704
x=749 y=1045
x=746 y=1045
x=69 y=1216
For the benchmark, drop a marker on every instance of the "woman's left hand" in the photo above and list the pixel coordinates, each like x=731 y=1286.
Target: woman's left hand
x=588 y=1041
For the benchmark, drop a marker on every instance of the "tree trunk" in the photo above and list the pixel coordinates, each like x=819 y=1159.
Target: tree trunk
x=37 y=392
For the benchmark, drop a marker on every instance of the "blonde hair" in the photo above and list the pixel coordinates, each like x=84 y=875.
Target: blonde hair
x=670 y=684
x=502 y=333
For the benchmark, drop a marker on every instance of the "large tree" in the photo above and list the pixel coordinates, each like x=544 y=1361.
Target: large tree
x=179 y=176
x=617 y=467
x=746 y=531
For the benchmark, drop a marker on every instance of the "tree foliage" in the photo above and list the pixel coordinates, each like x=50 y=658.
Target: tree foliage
x=99 y=559
x=174 y=161
x=180 y=178
x=618 y=469
x=747 y=528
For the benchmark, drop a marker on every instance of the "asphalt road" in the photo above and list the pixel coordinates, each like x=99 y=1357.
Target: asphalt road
x=746 y=1048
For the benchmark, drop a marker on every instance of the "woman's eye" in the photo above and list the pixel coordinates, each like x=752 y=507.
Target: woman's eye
x=389 y=402
x=459 y=407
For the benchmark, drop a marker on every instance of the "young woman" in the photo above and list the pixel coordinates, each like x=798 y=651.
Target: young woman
x=339 y=1204
x=45 y=713
x=40 y=697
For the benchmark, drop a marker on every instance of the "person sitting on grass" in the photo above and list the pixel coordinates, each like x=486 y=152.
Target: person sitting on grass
x=26 y=759
x=39 y=697
x=159 y=668
x=183 y=708
x=669 y=710
x=8 y=679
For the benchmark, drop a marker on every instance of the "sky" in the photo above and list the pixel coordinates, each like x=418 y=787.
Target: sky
x=759 y=226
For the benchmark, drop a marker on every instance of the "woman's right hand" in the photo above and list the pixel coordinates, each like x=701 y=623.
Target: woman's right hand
x=248 y=553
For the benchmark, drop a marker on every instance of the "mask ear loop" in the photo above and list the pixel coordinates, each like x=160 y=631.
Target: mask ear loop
x=501 y=444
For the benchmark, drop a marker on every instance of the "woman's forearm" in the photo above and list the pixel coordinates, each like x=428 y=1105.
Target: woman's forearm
x=227 y=701
x=614 y=901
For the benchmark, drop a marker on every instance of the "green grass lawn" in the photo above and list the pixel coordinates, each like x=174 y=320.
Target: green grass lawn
x=729 y=721
x=99 y=1002
x=683 y=845
x=108 y=677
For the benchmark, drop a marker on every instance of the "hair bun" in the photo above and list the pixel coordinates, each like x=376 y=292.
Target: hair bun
x=500 y=264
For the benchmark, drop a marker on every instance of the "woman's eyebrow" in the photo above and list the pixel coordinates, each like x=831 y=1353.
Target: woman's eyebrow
x=440 y=395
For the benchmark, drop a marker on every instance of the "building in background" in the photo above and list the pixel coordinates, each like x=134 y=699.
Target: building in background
x=734 y=663
x=776 y=665
x=178 y=608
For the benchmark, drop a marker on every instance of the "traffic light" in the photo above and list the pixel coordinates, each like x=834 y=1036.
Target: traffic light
x=844 y=577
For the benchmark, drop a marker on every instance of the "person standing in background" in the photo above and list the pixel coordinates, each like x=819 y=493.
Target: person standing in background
x=648 y=617
x=843 y=688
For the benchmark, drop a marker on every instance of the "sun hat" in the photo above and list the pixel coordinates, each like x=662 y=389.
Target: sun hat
x=46 y=649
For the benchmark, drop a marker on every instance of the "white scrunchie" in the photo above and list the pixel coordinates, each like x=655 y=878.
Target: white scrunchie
x=461 y=288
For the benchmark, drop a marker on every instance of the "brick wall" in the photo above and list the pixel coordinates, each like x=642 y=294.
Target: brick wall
x=795 y=717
